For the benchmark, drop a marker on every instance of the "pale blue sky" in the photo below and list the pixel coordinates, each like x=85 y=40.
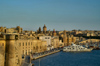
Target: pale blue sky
x=56 y=14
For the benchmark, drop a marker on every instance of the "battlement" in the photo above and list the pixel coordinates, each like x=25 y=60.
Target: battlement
x=11 y=37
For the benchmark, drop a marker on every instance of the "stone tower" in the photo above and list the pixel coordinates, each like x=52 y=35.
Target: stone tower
x=65 y=40
x=39 y=29
x=44 y=28
x=19 y=29
x=10 y=50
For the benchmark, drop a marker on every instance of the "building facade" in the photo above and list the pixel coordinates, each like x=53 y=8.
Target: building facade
x=47 y=39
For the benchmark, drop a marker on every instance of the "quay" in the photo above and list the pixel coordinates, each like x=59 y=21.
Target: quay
x=26 y=61
x=37 y=57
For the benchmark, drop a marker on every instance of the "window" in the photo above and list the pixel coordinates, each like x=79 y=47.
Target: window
x=23 y=44
x=26 y=43
x=16 y=55
x=34 y=47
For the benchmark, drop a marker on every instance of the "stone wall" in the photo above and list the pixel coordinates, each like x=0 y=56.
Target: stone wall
x=2 y=60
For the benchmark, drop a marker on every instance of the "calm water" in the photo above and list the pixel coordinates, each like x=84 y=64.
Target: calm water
x=70 y=59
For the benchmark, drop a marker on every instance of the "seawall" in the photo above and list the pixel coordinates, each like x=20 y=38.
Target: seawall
x=45 y=55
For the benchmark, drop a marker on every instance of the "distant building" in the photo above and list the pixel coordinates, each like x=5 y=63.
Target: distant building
x=55 y=42
x=18 y=29
x=68 y=39
x=47 y=39
x=3 y=29
x=39 y=29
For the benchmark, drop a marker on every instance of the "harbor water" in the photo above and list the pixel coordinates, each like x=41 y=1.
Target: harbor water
x=70 y=59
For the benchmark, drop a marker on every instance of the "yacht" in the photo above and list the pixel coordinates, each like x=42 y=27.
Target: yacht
x=76 y=48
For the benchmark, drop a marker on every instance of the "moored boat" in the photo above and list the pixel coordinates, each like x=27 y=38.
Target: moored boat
x=76 y=48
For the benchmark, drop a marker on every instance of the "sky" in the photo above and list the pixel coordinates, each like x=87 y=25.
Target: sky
x=55 y=14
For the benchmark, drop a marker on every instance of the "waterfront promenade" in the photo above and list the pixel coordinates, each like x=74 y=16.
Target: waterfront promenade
x=43 y=54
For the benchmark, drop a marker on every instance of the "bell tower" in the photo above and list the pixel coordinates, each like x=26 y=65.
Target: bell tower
x=44 y=28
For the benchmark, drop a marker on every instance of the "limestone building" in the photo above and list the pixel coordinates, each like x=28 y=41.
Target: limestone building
x=47 y=39
x=13 y=48
x=18 y=29
x=3 y=29
x=55 y=42
x=52 y=42
x=68 y=39
x=61 y=44
x=32 y=46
